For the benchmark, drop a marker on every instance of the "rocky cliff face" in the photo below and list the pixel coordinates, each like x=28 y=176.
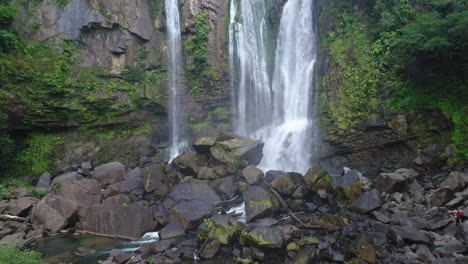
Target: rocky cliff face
x=376 y=138
x=112 y=33
x=119 y=76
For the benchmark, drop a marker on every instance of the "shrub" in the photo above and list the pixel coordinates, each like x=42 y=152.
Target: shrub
x=12 y=255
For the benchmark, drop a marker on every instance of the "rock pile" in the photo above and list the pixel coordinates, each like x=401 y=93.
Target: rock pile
x=400 y=217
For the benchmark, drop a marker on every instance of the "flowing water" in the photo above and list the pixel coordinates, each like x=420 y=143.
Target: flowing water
x=174 y=43
x=277 y=107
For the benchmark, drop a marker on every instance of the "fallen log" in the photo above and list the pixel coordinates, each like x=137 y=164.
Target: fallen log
x=286 y=207
x=12 y=218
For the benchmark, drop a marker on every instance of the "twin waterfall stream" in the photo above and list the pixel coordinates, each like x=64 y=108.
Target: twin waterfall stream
x=176 y=77
x=272 y=80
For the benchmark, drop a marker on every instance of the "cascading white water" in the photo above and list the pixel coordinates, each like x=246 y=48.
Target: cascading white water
x=285 y=118
x=174 y=43
x=249 y=44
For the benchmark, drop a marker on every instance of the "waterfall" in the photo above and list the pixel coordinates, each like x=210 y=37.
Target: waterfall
x=278 y=108
x=248 y=49
x=174 y=43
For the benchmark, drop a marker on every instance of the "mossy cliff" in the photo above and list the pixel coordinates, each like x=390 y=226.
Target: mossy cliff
x=94 y=74
x=392 y=89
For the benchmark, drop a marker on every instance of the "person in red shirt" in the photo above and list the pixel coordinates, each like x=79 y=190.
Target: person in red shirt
x=457 y=217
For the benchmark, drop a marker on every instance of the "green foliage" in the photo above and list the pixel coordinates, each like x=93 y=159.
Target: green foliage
x=7 y=149
x=414 y=55
x=62 y=3
x=12 y=255
x=133 y=74
x=196 y=47
x=155 y=6
x=34 y=192
x=353 y=261
x=36 y=157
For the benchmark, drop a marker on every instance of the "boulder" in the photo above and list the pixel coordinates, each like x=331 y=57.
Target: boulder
x=17 y=238
x=425 y=254
x=455 y=181
x=223 y=228
x=172 y=230
x=380 y=217
x=44 y=181
x=287 y=183
x=407 y=173
x=350 y=184
x=263 y=237
x=110 y=173
x=441 y=196
x=412 y=234
x=391 y=182
x=202 y=145
x=226 y=187
x=70 y=176
x=87 y=167
x=21 y=206
x=120 y=256
x=188 y=191
x=272 y=174
x=189 y=163
x=155 y=181
x=208 y=173
x=252 y=174
x=210 y=249
x=304 y=256
x=159 y=246
x=363 y=247
x=367 y=202
x=451 y=246
x=314 y=175
x=191 y=213
x=56 y=209
x=244 y=148
x=259 y=203
x=436 y=217
x=116 y=221
x=82 y=251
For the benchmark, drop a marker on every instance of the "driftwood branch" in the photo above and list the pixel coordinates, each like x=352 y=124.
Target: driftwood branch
x=226 y=201
x=286 y=207
x=12 y=218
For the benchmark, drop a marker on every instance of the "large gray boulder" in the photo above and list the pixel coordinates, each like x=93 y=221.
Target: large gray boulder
x=252 y=174
x=441 y=196
x=203 y=144
x=70 y=176
x=155 y=181
x=44 y=181
x=391 y=182
x=259 y=202
x=456 y=181
x=287 y=183
x=56 y=209
x=189 y=163
x=350 y=184
x=191 y=213
x=244 y=148
x=129 y=222
x=189 y=191
x=110 y=173
x=226 y=187
x=367 y=202
x=21 y=206
x=264 y=237
x=412 y=234
x=173 y=230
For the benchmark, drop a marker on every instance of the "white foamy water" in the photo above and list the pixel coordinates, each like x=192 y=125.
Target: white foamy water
x=176 y=76
x=280 y=112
